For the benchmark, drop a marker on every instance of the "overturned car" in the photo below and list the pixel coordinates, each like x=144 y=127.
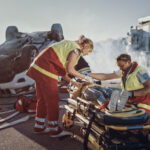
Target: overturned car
x=16 y=54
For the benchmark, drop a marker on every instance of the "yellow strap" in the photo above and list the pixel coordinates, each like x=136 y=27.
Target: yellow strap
x=133 y=113
x=123 y=128
x=93 y=140
x=43 y=71
x=144 y=106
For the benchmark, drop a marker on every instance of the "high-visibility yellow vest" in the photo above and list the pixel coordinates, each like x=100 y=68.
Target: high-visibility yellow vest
x=132 y=82
x=63 y=48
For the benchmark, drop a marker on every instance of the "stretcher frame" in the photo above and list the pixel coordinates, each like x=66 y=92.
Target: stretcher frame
x=100 y=134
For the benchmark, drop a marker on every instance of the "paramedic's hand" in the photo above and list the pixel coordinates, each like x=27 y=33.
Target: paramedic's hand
x=76 y=84
x=79 y=85
x=88 y=79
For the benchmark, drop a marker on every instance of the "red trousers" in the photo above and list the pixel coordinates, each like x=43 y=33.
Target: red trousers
x=47 y=88
x=47 y=99
x=142 y=100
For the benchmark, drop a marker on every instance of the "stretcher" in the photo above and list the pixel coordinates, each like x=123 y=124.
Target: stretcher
x=128 y=129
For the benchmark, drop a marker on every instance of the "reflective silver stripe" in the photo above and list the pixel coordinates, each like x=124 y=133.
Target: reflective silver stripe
x=53 y=122
x=53 y=129
x=20 y=102
x=40 y=119
x=38 y=126
x=31 y=110
x=86 y=69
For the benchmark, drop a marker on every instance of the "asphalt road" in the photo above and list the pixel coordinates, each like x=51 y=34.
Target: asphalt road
x=21 y=136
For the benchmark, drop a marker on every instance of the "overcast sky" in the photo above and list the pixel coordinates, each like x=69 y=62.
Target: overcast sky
x=97 y=19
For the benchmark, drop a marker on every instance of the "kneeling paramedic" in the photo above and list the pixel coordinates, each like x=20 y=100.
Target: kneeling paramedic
x=135 y=82
x=56 y=60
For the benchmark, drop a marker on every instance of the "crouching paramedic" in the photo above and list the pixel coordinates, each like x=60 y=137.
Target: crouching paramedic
x=134 y=79
x=54 y=61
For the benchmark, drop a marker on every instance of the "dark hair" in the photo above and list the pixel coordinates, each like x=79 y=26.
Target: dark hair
x=124 y=57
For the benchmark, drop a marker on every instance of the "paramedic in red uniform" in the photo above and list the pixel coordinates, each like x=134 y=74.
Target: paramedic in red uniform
x=134 y=79
x=57 y=60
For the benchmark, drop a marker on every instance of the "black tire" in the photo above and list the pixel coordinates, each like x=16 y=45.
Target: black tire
x=56 y=32
x=11 y=32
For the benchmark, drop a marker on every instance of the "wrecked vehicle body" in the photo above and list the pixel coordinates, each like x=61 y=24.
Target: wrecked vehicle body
x=17 y=53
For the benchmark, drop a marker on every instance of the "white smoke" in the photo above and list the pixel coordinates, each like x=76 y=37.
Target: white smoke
x=103 y=58
x=141 y=57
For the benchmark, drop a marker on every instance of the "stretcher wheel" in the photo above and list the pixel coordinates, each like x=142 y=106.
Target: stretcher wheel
x=67 y=121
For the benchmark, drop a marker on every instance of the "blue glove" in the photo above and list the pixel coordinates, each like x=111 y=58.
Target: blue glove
x=86 y=74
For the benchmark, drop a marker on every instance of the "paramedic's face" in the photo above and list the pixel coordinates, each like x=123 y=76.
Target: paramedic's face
x=86 y=49
x=123 y=65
